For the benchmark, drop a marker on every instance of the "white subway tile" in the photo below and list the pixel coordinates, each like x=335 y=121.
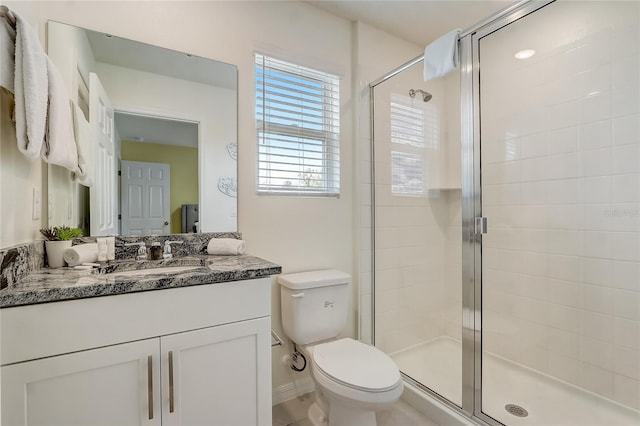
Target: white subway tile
x=596 y=325
x=625 y=72
x=595 y=189
x=563 y=267
x=596 y=298
x=596 y=107
x=595 y=379
x=598 y=134
x=563 y=216
x=562 y=140
x=563 y=317
x=626 y=275
x=626 y=40
x=563 y=342
x=627 y=305
x=625 y=100
x=593 y=81
x=566 y=114
x=625 y=217
x=563 y=367
x=626 y=188
x=565 y=293
x=597 y=244
x=596 y=352
x=626 y=246
x=626 y=391
x=626 y=159
x=595 y=217
x=596 y=162
x=565 y=191
x=626 y=333
x=596 y=271
x=627 y=363
x=626 y=130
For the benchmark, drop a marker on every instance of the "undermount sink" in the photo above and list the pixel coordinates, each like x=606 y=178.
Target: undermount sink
x=151 y=271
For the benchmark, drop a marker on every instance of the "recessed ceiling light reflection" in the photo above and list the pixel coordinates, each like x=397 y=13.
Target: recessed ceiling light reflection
x=524 y=54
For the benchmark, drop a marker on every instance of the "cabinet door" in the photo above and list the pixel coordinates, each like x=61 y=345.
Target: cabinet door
x=218 y=375
x=108 y=386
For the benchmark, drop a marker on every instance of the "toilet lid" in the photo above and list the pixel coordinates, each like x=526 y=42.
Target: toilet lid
x=357 y=365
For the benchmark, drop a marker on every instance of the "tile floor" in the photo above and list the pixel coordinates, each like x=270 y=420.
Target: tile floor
x=294 y=413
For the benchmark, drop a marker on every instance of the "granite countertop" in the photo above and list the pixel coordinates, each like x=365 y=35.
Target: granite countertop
x=52 y=285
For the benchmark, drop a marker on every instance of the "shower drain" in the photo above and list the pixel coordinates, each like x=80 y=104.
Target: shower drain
x=516 y=410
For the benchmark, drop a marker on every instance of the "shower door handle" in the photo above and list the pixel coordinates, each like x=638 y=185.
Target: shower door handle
x=481 y=225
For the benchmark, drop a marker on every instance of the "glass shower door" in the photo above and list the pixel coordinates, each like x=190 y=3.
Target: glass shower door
x=560 y=182
x=417 y=231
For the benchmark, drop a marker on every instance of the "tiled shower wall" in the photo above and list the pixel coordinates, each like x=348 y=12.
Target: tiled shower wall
x=561 y=189
x=417 y=237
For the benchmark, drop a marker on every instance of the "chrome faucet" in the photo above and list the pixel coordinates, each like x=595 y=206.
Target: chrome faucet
x=142 y=250
x=167 y=248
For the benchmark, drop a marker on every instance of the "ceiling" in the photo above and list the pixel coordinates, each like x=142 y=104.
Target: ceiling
x=145 y=57
x=420 y=21
x=146 y=129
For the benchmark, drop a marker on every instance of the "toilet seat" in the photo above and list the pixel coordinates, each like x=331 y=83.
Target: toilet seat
x=356 y=365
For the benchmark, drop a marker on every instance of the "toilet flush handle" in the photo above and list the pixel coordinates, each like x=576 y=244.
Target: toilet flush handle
x=298 y=295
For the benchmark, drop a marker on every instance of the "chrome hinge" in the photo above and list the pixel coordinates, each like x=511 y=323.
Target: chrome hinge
x=481 y=225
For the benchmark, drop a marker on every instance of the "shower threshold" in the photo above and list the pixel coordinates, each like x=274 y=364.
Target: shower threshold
x=548 y=401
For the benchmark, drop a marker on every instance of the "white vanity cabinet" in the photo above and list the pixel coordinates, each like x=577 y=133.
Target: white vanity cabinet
x=197 y=355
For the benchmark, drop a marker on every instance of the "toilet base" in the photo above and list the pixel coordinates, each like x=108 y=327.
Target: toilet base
x=340 y=415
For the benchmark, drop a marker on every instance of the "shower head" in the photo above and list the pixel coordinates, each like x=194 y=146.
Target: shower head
x=426 y=96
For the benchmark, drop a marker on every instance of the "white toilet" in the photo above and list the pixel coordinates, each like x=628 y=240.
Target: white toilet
x=352 y=379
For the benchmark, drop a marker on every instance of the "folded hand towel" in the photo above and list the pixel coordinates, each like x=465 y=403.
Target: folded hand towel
x=59 y=142
x=82 y=253
x=31 y=90
x=85 y=139
x=225 y=246
x=441 y=56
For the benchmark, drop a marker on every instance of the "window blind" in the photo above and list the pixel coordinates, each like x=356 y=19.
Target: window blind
x=414 y=129
x=298 y=129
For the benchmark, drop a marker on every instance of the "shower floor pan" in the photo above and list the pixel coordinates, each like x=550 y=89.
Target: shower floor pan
x=547 y=401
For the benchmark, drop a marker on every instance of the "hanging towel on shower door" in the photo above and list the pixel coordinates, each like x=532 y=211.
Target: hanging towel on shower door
x=441 y=56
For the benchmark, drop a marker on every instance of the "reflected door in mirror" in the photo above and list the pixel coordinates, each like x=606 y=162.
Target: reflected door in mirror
x=104 y=205
x=145 y=198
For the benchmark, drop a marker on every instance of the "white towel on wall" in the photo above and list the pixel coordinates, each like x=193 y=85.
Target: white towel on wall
x=31 y=90
x=7 y=55
x=441 y=56
x=225 y=246
x=85 y=139
x=59 y=142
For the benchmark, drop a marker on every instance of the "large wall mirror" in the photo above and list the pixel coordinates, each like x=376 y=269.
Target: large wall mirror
x=161 y=132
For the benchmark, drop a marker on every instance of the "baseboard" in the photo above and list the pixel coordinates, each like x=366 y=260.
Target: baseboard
x=292 y=390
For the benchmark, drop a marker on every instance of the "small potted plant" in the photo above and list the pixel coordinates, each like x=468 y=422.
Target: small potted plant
x=57 y=240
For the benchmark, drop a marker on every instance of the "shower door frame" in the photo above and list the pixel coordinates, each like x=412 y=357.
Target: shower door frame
x=469 y=45
x=472 y=207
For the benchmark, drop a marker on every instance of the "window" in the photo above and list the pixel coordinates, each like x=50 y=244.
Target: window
x=414 y=129
x=298 y=129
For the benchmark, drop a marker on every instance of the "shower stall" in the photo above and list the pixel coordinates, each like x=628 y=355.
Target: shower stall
x=506 y=218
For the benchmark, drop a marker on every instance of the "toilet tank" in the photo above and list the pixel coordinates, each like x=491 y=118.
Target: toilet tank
x=314 y=304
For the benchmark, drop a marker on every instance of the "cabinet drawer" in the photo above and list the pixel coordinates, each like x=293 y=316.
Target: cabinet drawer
x=37 y=331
